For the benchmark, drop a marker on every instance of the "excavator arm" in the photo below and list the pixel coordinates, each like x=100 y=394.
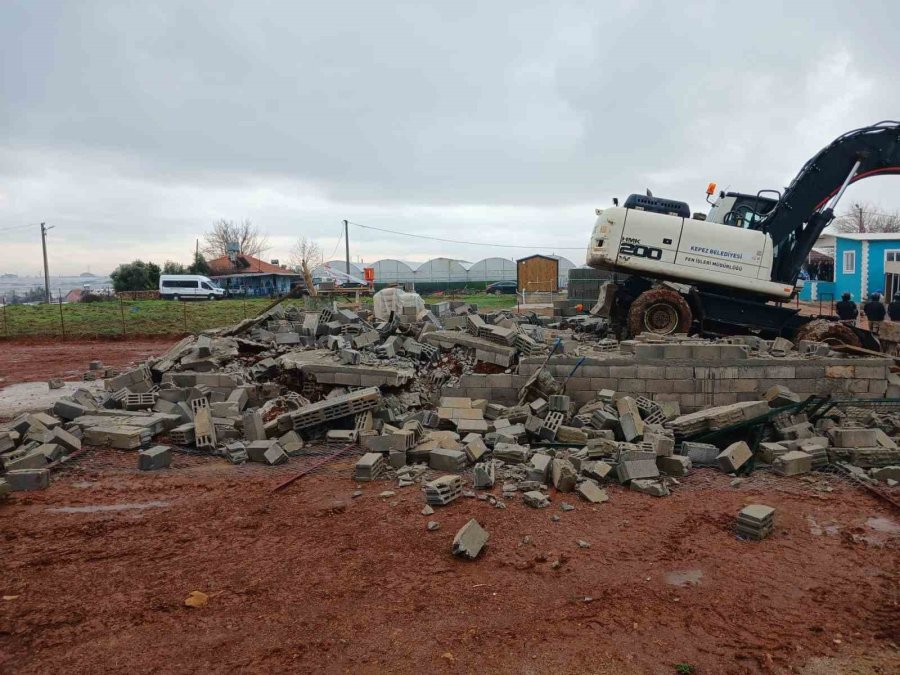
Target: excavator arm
x=807 y=206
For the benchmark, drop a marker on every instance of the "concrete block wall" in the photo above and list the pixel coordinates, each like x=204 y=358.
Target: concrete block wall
x=692 y=384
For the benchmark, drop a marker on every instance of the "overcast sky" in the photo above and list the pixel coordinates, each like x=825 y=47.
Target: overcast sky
x=132 y=126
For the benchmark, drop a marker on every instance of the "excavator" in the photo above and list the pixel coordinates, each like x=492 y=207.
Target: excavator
x=731 y=271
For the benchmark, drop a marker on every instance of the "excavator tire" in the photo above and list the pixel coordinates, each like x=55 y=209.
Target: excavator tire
x=661 y=311
x=831 y=332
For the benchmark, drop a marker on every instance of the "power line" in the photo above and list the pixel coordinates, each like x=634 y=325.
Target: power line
x=468 y=243
x=16 y=227
x=853 y=212
x=340 y=239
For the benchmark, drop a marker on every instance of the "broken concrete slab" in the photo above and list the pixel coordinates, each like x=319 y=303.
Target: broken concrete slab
x=591 y=492
x=484 y=475
x=649 y=487
x=470 y=540
x=539 y=467
x=563 y=475
x=535 y=499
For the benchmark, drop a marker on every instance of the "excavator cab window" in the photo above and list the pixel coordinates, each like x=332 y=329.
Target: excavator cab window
x=746 y=210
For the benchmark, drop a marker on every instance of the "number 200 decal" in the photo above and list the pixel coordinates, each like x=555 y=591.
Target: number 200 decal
x=641 y=251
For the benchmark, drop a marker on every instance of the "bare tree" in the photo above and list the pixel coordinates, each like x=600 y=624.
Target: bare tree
x=867 y=218
x=307 y=256
x=247 y=236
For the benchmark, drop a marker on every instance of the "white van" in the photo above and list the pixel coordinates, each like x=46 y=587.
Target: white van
x=185 y=286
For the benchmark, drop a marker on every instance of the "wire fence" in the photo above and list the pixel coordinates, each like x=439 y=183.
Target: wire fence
x=122 y=318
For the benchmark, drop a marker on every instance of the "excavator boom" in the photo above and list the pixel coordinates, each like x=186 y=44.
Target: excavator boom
x=803 y=212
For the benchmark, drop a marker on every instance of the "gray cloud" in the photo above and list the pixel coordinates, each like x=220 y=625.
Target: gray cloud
x=133 y=125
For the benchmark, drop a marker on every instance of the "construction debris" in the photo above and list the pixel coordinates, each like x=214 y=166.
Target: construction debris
x=399 y=382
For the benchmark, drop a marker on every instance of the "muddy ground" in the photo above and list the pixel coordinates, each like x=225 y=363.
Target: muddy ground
x=41 y=360
x=97 y=568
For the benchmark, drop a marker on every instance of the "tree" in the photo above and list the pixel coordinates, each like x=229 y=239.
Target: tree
x=245 y=234
x=174 y=268
x=153 y=272
x=135 y=276
x=307 y=256
x=867 y=218
x=199 y=266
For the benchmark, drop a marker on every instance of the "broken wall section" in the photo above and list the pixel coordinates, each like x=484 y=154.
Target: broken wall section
x=693 y=384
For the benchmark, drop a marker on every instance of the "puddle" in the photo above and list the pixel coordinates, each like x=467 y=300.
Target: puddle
x=831 y=529
x=883 y=525
x=684 y=577
x=83 y=484
x=95 y=508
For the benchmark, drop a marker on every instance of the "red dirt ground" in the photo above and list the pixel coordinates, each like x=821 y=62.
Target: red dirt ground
x=310 y=579
x=28 y=362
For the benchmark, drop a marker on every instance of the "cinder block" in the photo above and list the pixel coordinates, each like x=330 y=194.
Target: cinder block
x=623 y=372
x=633 y=386
x=254 y=429
x=676 y=465
x=734 y=457
x=678 y=352
x=792 y=463
x=157 y=457
x=442 y=459
x=29 y=460
x=871 y=372
x=853 y=438
x=660 y=387
x=24 y=480
x=687 y=386
x=651 y=372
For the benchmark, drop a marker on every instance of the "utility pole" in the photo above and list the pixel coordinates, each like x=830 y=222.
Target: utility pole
x=347 y=243
x=44 y=229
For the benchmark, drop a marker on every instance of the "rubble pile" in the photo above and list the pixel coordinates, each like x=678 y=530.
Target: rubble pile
x=263 y=390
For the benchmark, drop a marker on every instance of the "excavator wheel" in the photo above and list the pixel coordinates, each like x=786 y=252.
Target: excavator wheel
x=831 y=332
x=661 y=311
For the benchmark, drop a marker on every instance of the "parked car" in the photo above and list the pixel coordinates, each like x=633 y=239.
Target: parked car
x=502 y=288
x=186 y=286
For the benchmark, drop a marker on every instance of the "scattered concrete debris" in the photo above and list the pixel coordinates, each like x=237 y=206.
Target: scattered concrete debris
x=449 y=389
